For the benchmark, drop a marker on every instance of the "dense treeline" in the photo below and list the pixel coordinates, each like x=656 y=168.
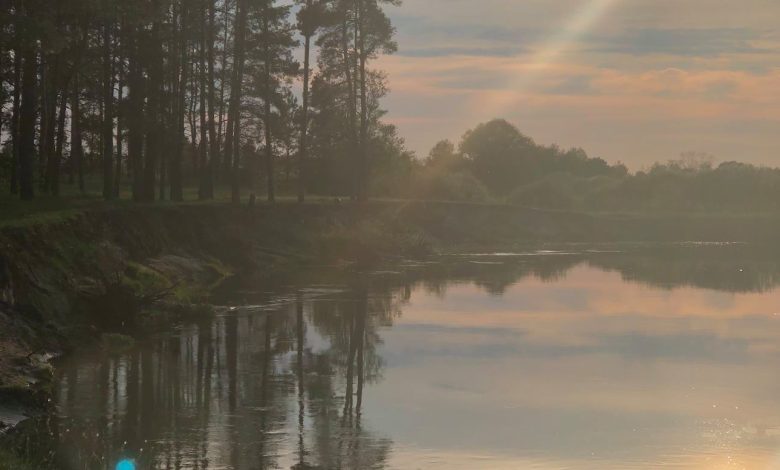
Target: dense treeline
x=149 y=97
x=495 y=161
x=160 y=94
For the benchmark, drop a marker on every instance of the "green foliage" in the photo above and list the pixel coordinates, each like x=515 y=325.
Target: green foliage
x=504 y=160
x=431 y=184
x=495 y=161
x=10 y=461
x=444 y=156
x=144 y=280
x=562 y=190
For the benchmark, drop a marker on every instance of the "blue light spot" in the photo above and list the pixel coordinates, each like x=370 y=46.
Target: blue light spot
x=125 y=465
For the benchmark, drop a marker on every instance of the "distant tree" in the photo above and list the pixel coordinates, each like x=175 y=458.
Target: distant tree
x=443 y=155
x=499 y=155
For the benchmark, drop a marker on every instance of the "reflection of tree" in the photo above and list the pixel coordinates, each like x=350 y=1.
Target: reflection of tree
x=731 y=268
x=219 y=393
x=351 y=324
x=494 y=274
x=248 y=388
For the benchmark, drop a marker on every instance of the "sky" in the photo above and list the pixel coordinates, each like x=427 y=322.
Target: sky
x=632 y=81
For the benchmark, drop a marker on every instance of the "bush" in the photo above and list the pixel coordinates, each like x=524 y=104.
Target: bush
x=444 y=186
x=542 y=195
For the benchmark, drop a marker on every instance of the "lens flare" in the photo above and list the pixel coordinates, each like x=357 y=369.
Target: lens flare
x=126 y=464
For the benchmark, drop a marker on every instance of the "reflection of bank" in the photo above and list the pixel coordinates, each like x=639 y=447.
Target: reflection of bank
x=289 y=384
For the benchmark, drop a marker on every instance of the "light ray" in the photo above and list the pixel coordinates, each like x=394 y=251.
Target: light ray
x=532 y=69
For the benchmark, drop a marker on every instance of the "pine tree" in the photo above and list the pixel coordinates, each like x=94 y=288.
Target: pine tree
x=272 y=66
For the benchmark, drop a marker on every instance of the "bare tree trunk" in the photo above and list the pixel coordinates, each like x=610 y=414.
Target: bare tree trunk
x=203 y=150
x=17 y=103
x=269 y=143
x=222 y=138
x=49 y=124
x=108 y=110
x=193 y=117
x=135 y=120
x=119 y=122
x=350 y=102
x=364 y=169
x=303 y=147
x=235 y=99
x=56 y=160
x=43 y=120
x=76 y=145
x=214 y=143
x=154 y=134
x=27 y=114
x=177 y=191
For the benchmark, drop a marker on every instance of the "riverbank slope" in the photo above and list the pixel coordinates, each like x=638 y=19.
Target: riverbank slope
x=67 y=278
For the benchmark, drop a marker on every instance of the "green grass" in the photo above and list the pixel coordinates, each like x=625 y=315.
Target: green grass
x=45 y=208
x=10 y=461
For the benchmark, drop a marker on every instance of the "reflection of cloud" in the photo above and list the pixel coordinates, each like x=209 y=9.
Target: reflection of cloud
x=684 y=346
x=625 y=376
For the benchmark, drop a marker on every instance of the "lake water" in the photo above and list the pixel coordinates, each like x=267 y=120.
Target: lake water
x=588 y=358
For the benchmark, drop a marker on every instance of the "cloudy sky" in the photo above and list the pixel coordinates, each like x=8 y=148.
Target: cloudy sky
x=635 y=81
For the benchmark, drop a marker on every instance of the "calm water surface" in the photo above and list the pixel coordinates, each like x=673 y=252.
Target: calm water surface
x=621 y=357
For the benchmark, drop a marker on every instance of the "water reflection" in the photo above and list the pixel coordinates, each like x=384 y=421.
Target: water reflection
x=616 y=357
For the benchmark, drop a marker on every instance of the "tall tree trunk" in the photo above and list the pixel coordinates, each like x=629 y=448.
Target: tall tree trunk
x=269 y=93
x=177 y=190
x=203 y=150
x=193 y=105
x=49 y=122
x=234 y=115
x=119 y=123
x=43 y=120
x=17 y=103
x=27 y=114
x=56 y=159
x=108 y=108
x=154 y=122
x=163 y=154
x=222 y=138
x=348 y=75
x=213 y=142
x=3 y=52
x=303 y=146
x=135 y=119
x=76 y=145
x=363 y=149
